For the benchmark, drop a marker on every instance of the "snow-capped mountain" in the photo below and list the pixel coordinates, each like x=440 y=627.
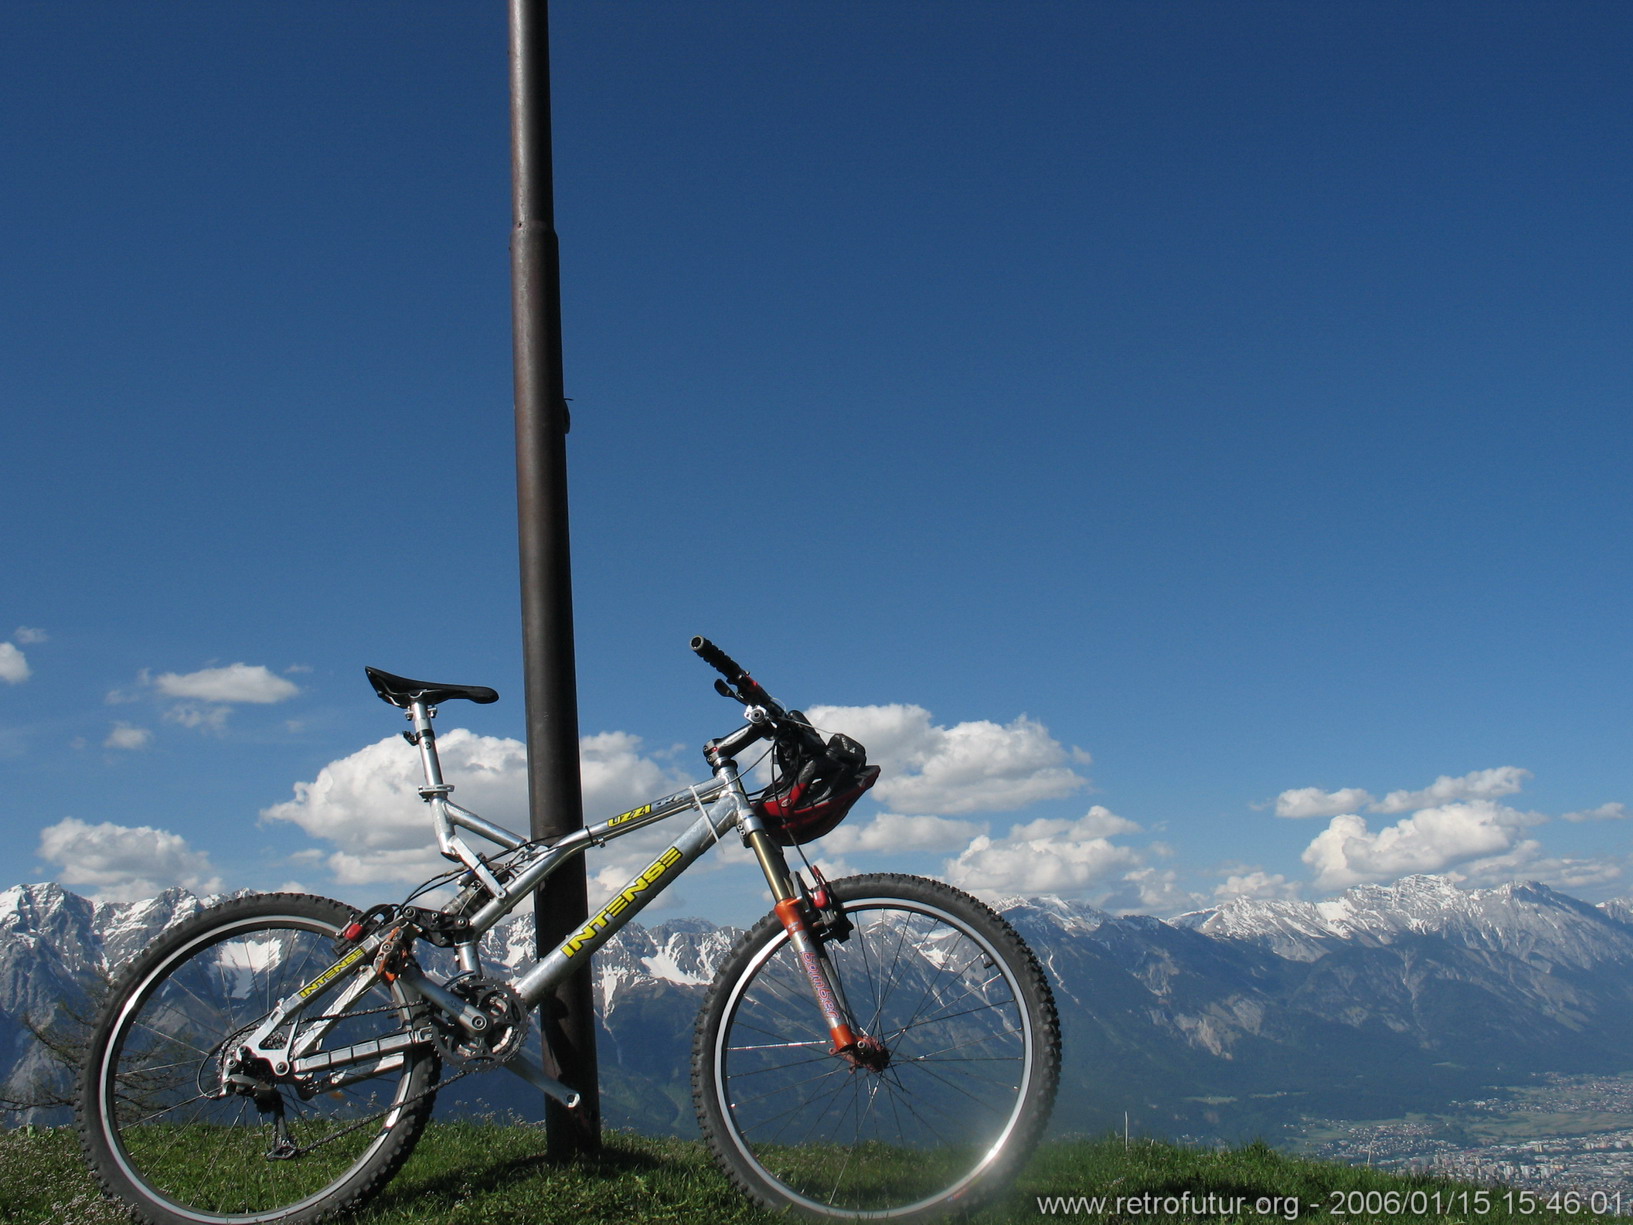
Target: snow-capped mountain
x=57 y=947
x=1233 y=1020
x=1385 y=999
x=1530 y=921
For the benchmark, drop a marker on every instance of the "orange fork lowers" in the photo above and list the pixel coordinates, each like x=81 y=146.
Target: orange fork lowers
x=860 y=1051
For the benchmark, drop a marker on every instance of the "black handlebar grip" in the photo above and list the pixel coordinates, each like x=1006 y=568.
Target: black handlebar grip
x=718 y=659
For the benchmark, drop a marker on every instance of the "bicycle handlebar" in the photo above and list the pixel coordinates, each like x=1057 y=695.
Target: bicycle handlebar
x=718 y=659
x=747 y=689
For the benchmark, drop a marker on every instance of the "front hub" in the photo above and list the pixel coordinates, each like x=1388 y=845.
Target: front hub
x=868 y=1054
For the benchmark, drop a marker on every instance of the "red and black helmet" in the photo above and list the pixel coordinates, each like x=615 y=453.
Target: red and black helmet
x=813 y=784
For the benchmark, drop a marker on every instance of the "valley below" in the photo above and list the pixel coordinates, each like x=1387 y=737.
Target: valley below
x=1560 y=1134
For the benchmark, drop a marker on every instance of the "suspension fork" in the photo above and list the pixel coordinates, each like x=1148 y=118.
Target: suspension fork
x=791 y=912
x=790 y=908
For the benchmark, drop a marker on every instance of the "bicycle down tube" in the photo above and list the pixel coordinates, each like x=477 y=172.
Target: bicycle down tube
x=710 y=825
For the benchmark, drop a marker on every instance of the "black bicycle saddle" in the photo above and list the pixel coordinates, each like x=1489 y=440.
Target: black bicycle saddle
x=400 y=691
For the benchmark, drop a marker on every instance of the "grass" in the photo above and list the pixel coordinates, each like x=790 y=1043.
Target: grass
x=488 y=1174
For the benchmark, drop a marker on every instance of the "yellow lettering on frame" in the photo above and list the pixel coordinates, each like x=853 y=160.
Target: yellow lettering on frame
x=328 y=976
x=631 y=814
x=625 y=896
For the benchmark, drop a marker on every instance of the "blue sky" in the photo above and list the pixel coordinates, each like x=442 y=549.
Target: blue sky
x=1187 y=442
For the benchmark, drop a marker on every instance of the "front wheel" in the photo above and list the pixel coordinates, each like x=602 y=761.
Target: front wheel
x=175 y=1128
x=963 y=1059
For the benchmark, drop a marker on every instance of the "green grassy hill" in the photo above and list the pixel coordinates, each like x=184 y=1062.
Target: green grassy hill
x=477 y=1174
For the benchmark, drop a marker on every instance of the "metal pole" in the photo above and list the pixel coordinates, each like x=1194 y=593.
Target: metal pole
x=554 y=796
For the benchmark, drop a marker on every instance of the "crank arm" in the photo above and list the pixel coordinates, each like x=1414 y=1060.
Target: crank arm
x=471 y=1020
x=526 y=1065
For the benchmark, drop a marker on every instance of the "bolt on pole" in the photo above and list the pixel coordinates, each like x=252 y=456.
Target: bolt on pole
x=555 y=798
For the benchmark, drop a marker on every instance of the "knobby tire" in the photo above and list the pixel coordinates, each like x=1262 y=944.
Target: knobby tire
x=176 y=1155
x=966 y=1014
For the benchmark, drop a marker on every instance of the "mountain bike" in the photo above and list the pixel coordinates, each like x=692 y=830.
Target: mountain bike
x=881 y=1047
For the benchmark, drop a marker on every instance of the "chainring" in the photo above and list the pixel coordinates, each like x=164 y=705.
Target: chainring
x=507 y=1022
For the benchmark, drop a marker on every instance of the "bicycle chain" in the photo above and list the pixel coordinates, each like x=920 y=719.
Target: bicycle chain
x=393 y=949
x=482 y=1066
x=302 y=1150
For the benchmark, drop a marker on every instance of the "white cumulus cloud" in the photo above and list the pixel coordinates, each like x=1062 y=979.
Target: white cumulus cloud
x=891 y=831
x=1150 y=891
x=14 y=668
x=1457 y=826
x=977 y=766
x=1526 y=861
x=1064 y=857
x=198 y=714
x=1478 y=785
x=1605 y=812
x=28 y=635
x=121 y=863
x=1300 y=802
x=1255 y=883
x=367 y=805
x=1349 y=851
x=1314 y=802
x=234 y=683
x=617 y=777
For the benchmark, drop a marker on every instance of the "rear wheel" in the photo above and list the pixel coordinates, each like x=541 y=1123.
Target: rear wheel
x=163 y=1135
x=962 y=1059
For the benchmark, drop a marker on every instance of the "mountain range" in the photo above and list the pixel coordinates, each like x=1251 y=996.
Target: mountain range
x=1230 y=1023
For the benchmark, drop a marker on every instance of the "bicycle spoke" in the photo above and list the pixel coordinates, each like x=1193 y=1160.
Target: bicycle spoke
x=922 y=1107
x=167 y=1109
x=784 y=1088
x=958 y=1088
x=194 y=1154
x=939 y=1018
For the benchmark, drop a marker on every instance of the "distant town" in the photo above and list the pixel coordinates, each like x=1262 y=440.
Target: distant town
x=1559 y=1134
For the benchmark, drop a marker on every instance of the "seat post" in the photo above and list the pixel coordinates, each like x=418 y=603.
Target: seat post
x=421 y=713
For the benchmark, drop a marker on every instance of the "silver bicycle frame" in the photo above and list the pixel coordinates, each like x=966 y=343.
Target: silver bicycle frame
x=721 y=806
